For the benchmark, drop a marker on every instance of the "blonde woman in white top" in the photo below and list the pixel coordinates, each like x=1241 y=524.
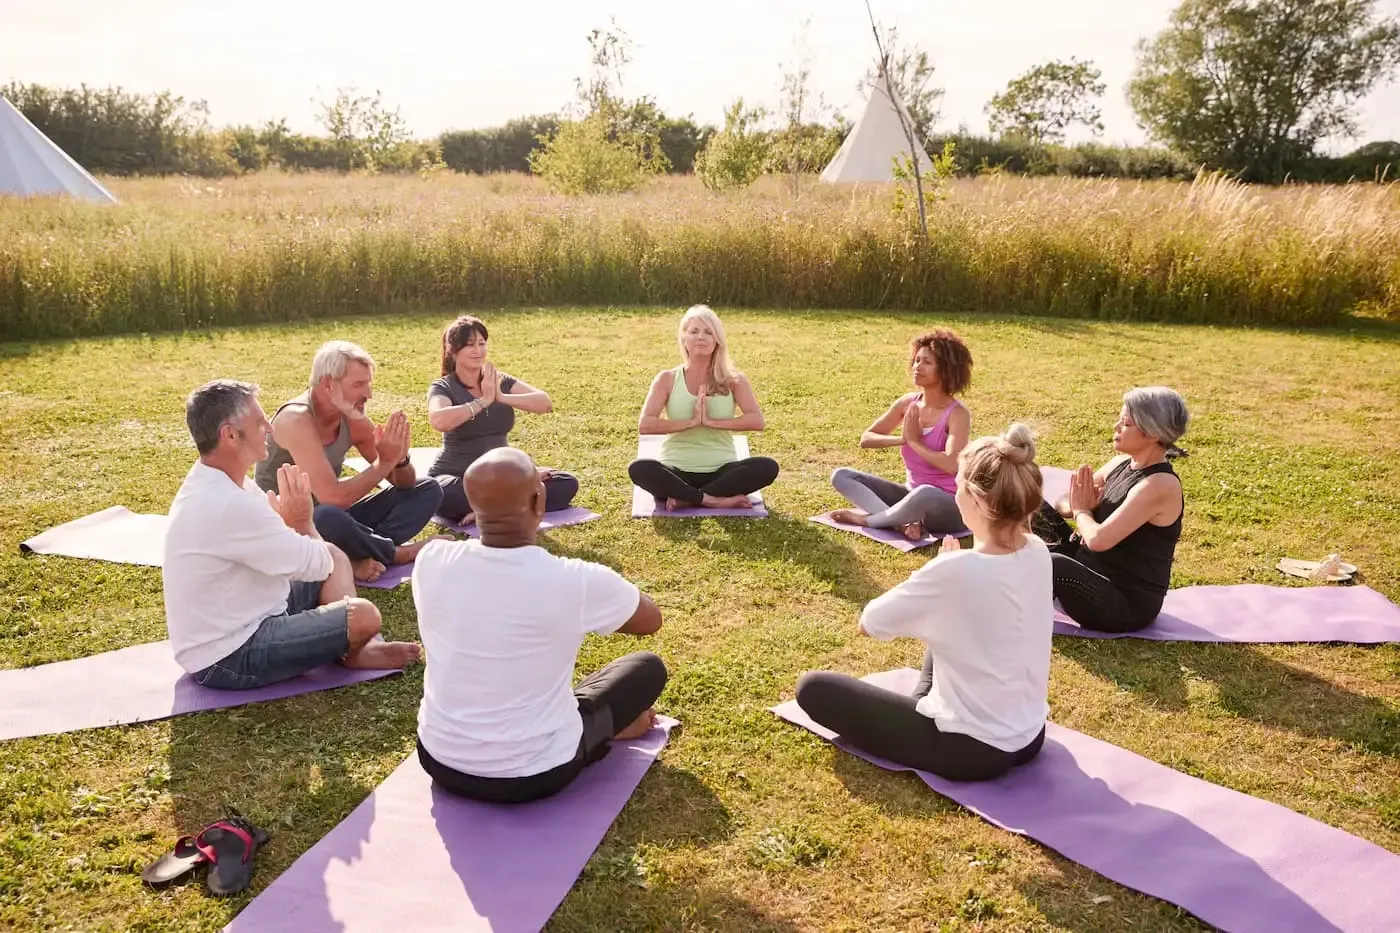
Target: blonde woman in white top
x=985 y=616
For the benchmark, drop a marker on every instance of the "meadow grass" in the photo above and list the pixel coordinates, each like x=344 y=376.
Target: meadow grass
x=745 y=823
x=183 y=255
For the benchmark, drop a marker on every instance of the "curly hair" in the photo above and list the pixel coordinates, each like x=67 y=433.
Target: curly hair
x=456 y=336
x=952 y=356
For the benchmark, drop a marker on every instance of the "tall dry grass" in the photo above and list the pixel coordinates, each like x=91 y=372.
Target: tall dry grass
x=184 y=254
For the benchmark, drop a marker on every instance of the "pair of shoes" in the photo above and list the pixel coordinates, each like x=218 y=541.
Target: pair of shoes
x=1331 y=569
x=227 y=846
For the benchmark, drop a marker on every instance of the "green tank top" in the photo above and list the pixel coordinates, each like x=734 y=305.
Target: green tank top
x=700 y=449
x=265 y=473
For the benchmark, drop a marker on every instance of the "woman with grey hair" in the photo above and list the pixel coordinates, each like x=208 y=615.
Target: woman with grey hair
x=1113 y=568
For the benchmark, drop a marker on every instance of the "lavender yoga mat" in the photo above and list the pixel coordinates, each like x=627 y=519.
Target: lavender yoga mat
x=137 y=684
x=1239 y=863
x=393 y=575
x=412 y=857
x=115 y=534
x=1255 y=613
x=559 y=519
x=645 y=506
x=891 y=536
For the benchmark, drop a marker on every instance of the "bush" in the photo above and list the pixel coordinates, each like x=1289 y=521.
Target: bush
x=584 y=157
x=737 y=155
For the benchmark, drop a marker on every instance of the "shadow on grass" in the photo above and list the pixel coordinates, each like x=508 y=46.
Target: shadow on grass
x=781 y=537
x=651 y=906
x=294 y=767
x=1247 y=683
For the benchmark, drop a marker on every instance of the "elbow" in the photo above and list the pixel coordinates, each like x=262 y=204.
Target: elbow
x=758 y=423
x=866 y=441
x=546 y=404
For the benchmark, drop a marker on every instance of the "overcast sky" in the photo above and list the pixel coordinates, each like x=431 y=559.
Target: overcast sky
x=466 y=63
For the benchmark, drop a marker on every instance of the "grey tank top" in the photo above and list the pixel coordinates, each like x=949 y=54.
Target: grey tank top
x=265 y=474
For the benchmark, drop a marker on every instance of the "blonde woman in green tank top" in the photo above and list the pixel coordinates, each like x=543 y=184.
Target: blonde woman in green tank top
x=698 y=406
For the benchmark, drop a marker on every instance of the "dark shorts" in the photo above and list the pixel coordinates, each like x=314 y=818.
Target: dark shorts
x=306 y=636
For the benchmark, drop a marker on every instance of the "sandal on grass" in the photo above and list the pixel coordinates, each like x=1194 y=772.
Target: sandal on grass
x=175 y=864
x=1331 y=568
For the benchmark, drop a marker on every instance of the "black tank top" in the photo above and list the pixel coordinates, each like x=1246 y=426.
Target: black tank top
x=1142 y=561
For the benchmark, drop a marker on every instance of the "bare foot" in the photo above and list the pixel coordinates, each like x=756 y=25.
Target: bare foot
x=675 y=505
x=405 y=553
x=726 y=502
x=468 y=519
x=640 y=726
x=366 y=569
x=381 y=655
x=849 y=517
x=914 y=531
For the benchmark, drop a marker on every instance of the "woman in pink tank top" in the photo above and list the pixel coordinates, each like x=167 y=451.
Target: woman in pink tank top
x=934 y=428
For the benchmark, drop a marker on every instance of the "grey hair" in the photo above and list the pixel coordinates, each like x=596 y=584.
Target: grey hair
x=1160 y=413
x=214 y=405
x=334 y=357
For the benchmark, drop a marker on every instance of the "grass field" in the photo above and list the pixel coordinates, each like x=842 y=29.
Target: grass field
x=745 y=824
x=179 y=254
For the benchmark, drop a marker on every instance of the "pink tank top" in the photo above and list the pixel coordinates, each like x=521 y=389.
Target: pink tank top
x=918 y=471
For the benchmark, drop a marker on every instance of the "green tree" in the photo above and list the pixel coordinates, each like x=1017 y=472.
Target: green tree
x=1045 y=101
x=613 y=146
x=736 y=155
x=1252 y=86
x=911 y=75
x=364 y=131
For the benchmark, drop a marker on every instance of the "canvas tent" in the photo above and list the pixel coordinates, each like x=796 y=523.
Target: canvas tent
x=877 y=139
x=31 y=164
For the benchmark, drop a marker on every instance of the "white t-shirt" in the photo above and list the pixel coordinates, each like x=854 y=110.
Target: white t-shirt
x=501 y=629
x=229 y=562
x=988 y=619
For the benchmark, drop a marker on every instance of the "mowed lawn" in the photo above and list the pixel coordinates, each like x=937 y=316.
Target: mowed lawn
x=745 y=823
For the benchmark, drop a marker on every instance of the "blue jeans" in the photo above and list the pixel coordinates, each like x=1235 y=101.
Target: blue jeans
x=377 y=524
x=306 y=636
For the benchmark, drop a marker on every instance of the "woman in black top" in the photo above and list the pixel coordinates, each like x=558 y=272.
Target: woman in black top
x=1113 y=569
x=473 y=406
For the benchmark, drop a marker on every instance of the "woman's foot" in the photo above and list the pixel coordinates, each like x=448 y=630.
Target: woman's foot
x=725 y=502
x=366 y=569
x=675 y=505
x=405 y=553
x=914 y=531
x=849 y=517
x=640 y=726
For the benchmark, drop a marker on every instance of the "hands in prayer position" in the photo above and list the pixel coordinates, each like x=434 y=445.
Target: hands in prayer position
x=292 y=500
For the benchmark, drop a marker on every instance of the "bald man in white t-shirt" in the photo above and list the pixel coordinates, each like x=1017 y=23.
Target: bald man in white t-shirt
x=502 y=620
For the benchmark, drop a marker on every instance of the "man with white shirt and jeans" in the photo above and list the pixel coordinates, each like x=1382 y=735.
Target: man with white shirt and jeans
x=502 y=620
x=252 y=594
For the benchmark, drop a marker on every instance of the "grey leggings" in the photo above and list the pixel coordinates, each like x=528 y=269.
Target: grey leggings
x=894 y=505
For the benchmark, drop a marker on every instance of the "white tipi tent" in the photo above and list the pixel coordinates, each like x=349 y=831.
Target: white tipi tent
x=877 y=139
x=30 y=163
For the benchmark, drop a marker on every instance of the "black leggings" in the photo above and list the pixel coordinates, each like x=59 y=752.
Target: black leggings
x=736 y=478
x=889 y=725
x=609 y=701
x=559 y=490
x=1087 y=596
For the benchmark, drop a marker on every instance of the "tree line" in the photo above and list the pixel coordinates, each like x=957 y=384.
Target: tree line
x=1247 y=87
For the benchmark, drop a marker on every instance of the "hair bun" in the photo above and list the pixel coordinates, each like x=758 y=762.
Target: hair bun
x=1017 y=444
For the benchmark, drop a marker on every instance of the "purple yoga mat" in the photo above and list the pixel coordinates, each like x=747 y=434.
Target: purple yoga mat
x=115 y=534
x=890 y=536
x=1054 y=483
x=1239 y=863
x=559 y=519
x=1252 y=612
x=137 y=684
x=645 y=506
x=411 y=857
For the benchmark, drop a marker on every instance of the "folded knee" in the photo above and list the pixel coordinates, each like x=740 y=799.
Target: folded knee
x=841 y=475
x=362 y=619
x=769 y=467
x=429 y=489
x=331 y=516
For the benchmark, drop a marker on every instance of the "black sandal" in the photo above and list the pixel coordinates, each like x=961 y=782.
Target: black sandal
x=229 y=845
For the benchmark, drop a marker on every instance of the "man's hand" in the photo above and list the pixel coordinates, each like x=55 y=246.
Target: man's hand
x=391 y=440
x=292 y=500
